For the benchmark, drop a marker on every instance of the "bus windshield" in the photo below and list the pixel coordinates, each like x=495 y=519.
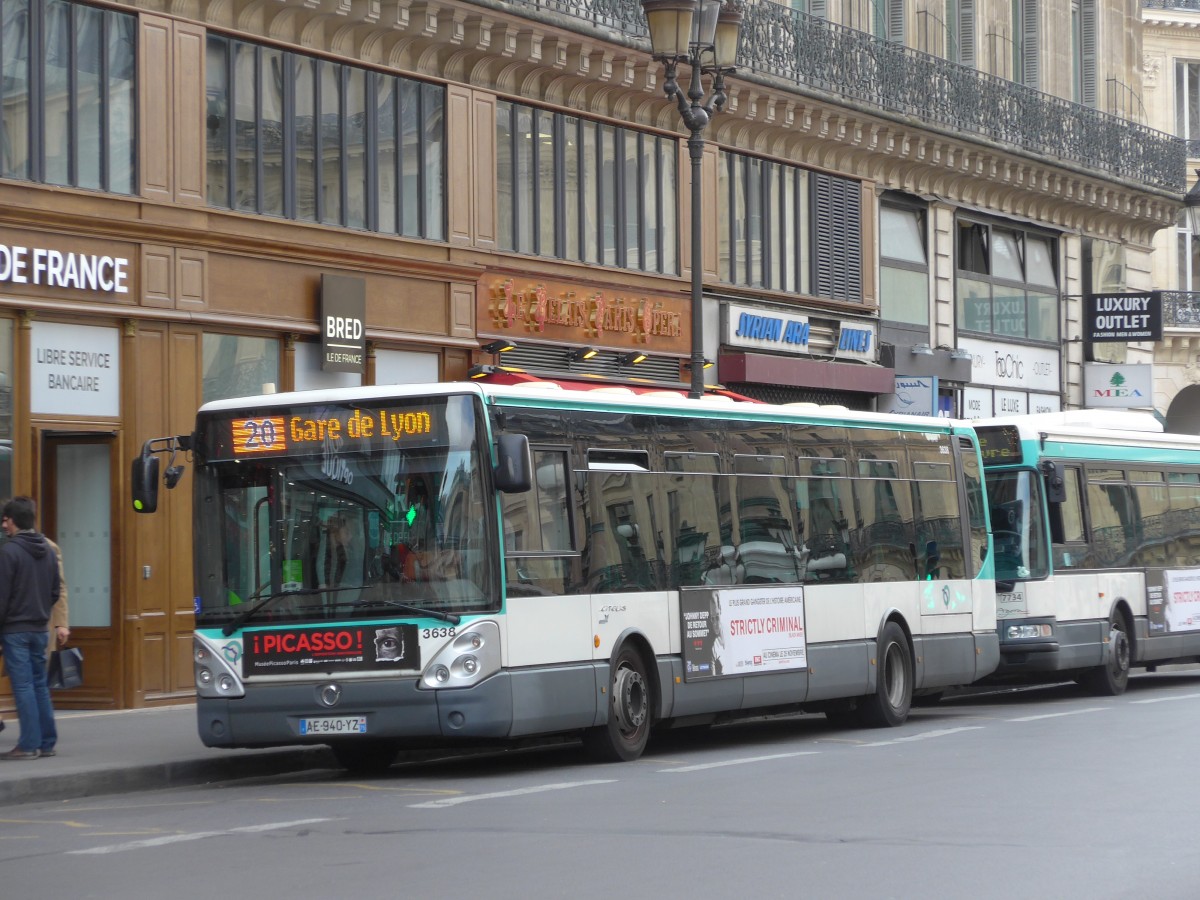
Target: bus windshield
x=1018 y=527
x=342 y=511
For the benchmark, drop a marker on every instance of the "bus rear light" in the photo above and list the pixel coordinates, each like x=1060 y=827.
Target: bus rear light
x=1026 y=632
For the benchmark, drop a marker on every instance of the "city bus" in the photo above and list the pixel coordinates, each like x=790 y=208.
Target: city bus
x=1095 y=518
x=386 y=568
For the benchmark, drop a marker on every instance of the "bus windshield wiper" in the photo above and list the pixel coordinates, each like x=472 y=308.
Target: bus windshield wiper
x=452 y=618
x=252 y=610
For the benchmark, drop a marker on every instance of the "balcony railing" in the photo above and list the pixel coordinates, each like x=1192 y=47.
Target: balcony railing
x=1186 y=5
x=849 y=65
x=1181 y=309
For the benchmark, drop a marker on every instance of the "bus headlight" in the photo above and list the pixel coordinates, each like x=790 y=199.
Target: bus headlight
x=1027 y=632
x=215 y=675
x=467 y=659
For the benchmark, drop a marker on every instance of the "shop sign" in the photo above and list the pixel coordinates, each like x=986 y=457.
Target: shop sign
x=1110 y=318
x=1123 y=386
x=576 y=313
x=856 y=340
x=75 y=370
x=58 y=269
x=916 y=395
x=343 y=324
x=983 y=403
x=747 y=326
x=1012 y=366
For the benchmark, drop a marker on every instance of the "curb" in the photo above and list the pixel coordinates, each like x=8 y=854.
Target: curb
x=58 y=786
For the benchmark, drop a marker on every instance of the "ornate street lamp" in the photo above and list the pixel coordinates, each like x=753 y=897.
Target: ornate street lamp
x=702 y=34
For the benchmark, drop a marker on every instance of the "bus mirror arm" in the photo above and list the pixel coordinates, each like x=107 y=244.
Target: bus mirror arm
x=145 y=469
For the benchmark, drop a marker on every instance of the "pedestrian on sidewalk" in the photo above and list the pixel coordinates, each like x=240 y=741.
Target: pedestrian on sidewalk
x=29 y=587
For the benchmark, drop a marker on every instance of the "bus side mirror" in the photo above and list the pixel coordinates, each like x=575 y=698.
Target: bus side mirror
x=514 y=466
x=1056 y=487
x=144 y=479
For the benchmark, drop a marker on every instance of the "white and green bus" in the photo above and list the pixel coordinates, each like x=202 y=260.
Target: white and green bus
x=384 y=568
x=1095 y=516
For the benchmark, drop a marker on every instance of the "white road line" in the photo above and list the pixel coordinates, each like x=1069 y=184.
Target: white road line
x=924 y=736
x=740 y=762
x=471 y=798
x=1057 y=715
x=1168 y=699
x=194 y=836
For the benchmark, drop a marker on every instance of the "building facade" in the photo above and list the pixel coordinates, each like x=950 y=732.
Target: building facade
x=903 y=204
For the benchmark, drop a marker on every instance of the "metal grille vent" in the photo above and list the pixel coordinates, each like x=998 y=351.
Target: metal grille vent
x=556 y=362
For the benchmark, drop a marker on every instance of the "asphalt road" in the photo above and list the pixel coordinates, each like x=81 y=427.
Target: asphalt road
x=1041 y=792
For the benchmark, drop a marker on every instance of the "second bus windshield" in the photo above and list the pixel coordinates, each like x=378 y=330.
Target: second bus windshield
x=1018 y=526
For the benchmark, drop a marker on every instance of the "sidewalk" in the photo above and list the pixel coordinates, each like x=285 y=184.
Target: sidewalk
x=112 y=752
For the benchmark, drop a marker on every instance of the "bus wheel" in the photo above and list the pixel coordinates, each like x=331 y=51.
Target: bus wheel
x=890 y=703
x=365 y=757
x=623 y=737
x=1111 y=679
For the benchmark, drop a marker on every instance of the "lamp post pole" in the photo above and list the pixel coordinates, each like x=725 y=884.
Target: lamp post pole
x=703 y=34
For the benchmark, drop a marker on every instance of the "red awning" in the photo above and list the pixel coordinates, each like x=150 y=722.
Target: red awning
x=511 y=376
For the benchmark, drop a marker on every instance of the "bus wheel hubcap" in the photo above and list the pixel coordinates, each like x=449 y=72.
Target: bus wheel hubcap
x=630 y=690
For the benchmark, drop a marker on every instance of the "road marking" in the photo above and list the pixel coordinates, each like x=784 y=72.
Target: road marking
x=1058 y=715
x=924 y=736
x=471 y=798
x=740 y=762
x=195 y=836
x=1166 y=699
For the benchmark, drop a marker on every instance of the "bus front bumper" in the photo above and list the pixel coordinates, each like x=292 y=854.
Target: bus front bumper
x=272 y=715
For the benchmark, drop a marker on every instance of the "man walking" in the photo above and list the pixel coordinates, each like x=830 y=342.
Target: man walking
x=29 y=586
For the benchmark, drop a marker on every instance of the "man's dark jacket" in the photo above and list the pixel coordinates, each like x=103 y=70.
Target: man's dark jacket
x=29 y=583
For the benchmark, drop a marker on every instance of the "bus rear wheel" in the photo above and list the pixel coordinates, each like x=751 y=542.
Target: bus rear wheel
x=623 y=737
x=892 y=700
x=1112 y=678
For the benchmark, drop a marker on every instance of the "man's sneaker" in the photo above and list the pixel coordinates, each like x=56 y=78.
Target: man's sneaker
x=47 y=753
x=18 y=753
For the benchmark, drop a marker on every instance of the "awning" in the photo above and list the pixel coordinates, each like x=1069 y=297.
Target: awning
x=506 y=375
x=792 y=371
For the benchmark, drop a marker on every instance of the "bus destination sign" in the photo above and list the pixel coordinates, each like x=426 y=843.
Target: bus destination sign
x=999 y=446
x=268 y=435
x=335 y=648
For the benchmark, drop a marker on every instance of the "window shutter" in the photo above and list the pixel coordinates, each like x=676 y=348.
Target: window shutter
x=1087 y=12
x=837 y=237
x=966 y=32
x=895 y=21
x=1028 y=67
x=818 y=9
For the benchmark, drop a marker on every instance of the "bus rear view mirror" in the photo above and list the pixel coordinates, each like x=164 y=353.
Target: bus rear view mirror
x=514 y=468
x=144 y=479
x=1056 y=487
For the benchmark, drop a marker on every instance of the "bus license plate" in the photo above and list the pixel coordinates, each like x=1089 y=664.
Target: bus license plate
x=334 y=725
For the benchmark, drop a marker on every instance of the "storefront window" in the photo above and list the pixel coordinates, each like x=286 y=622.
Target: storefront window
x=568 y=188
x=239 y=366
x=903 y=265
x=319 y=141
x=67 y=94
x=1006 y=282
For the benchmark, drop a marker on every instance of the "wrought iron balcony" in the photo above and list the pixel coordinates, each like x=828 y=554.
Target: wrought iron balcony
x=844 y=64
x=1181 y=309
x=1185 y=5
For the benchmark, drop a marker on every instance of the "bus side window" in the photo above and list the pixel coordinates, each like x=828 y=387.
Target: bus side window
x=537 y=528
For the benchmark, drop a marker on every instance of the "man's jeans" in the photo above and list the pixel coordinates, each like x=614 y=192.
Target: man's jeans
x=25 y=660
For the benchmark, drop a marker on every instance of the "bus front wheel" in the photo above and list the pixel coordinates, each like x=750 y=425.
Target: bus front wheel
x=1112 y=678
x=623 y=737
x=892 y=700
